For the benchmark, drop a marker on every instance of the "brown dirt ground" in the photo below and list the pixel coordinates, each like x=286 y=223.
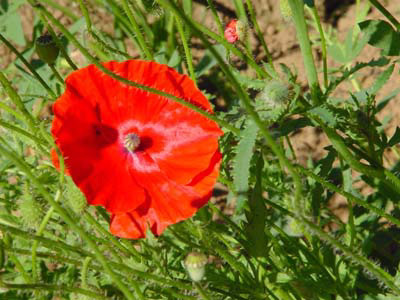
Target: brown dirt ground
x=280 y=37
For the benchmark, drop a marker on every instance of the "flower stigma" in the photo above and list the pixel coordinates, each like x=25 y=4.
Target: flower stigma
x=131 y=142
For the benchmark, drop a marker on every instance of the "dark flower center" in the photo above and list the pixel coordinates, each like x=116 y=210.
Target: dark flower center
x=131 y=142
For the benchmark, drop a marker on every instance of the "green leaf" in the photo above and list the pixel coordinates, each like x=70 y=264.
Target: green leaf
x=381 y=80
x=325 y=114
x=256 y=216
x=382 y=35
x=248 y=82
x=208 y=61
x=241 y=166
x=395 y=139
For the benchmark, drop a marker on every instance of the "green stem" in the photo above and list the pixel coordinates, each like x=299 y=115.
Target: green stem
x=26 y=134
x=188 y=53
x=386 y=13
x=19 y=267
x=305 y=47
x=63 y=8
x=244 y=97
x=54 y=35
x=134 y=84
x=137 y=31
x=337 y=141
x=68 y=219
x=16 y=99
x=56 y=74
x=349 y=196
x=84 y=271
x=39 y=233
x=92 y=221
x=29 y=66
x=317 y=20
x=216 y=17
x=377 y=272
x=201 y=291
x=53 y=287
x=259 y=33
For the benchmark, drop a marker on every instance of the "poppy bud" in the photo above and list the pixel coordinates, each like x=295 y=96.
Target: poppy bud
x=73 y=194
x=195 y=263
x=30 y=209
x=47 y=48
x=286 y=11
x=275 y=94
x=235 y=30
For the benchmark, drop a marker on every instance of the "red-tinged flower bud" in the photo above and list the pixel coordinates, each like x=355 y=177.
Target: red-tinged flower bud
x=235 y=31
x=47 y=48
x=195 y=263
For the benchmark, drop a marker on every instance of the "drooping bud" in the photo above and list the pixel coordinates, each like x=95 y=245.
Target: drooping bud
x=47 y=48
x=195 y=263
x=73 y=194
x=236 y=30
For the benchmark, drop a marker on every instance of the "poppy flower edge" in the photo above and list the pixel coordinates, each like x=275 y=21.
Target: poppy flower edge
x=150 y=161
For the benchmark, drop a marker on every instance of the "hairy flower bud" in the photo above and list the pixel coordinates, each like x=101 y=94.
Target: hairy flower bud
x=30 y=210
x=47 y=48
x=275 y=94
x=195 y=263
x=73 y=194
x=236 y=30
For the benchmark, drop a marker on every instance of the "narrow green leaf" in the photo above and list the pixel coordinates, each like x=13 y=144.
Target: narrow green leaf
x=241 y=167
x=395 y=139
x=381 y=80
x=256 y=216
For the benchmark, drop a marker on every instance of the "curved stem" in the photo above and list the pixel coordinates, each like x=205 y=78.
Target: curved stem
x=305 y=47
x=58 y=76
x=36 y=243
x=68 y=219
x=137 y=31
x=131 y=83
x=386 y=13
x=216 y=17
x=188 y=53
x=29 y=66
x=259 y=33
x=53 y=287
x=323 y=44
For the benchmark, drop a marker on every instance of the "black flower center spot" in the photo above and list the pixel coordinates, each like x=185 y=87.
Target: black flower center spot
x=131 y=142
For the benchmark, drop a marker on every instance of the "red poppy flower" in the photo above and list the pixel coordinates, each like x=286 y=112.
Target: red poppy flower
x=150 y=161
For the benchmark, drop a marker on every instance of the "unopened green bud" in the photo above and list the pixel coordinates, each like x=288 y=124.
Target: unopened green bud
x=47 y=48
x=30 y=210
x=195 y=264
x=76 y=199
x=286 y=11
x=275 y=94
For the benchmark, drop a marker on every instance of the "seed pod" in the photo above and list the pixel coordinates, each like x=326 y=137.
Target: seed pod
x=195 y=263
x=30 y=209
x=47 y=48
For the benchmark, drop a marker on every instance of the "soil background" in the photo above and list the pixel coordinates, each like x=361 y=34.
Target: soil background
x=280 y=36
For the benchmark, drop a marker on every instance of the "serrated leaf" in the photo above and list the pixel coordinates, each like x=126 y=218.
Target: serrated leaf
x=248 y=82
x=241 y=166
x=293 y=125
x=327 y=116
x=381 y=80
x=381 y=35
x=256 y=216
